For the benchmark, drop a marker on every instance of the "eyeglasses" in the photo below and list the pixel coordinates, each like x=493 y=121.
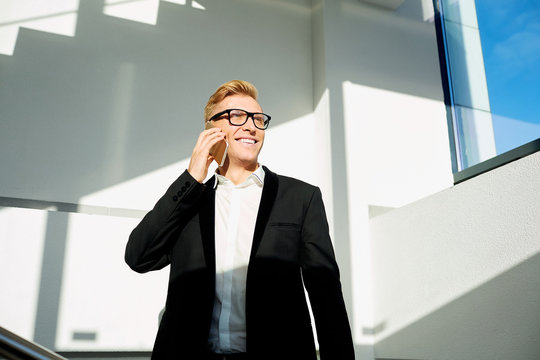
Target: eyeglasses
x=239 y=117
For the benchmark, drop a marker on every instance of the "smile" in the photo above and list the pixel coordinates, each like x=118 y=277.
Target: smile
x=247 y=141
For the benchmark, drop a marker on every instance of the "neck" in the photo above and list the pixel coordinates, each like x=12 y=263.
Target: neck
x=237 y=174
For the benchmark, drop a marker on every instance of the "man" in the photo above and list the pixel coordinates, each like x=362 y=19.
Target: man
x=241 y=246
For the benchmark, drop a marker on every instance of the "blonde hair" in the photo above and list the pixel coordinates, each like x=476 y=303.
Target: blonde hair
x=233 y=87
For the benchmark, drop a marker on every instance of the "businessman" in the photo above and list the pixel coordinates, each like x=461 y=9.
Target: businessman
x=241 y=247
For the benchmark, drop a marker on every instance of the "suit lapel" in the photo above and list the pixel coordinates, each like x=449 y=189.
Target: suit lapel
x=268 y=199
x=206 y=221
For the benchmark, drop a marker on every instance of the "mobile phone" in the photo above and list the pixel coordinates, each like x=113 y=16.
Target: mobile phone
x=219 y=152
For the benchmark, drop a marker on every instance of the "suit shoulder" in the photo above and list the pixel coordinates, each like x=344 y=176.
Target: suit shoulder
x=295 y=183
x=290 y=183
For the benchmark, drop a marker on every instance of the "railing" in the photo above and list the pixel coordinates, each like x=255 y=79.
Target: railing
x=14 y=347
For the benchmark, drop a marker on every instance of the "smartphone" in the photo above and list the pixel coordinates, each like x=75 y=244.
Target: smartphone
x=219 y=152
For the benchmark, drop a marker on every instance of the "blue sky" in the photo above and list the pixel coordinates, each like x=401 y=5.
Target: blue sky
x=510 y=35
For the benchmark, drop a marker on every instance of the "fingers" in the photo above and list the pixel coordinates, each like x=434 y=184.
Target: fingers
x=208 y=138
x=200 y=157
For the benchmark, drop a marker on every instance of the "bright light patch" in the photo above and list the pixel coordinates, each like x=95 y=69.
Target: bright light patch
x=57 y=17
x=301 y=161
x=22 y=234
x=144 y=11
x=179 y=2
x=106 y=299
x=60 y=16
x=397 y=152
x=196 y=5
x=8 y=38
x=148 y=187
x=400 y=140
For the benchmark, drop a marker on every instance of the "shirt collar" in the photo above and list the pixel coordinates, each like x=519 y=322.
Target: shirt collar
x=256 y=177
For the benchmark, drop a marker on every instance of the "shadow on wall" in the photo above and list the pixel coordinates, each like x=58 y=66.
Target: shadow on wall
x=466 y=328
x=122 y=98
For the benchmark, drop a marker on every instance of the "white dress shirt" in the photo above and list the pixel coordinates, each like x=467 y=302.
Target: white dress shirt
x=235 y=215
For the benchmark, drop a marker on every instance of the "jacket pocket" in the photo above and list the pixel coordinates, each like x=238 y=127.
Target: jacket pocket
x=285 y=225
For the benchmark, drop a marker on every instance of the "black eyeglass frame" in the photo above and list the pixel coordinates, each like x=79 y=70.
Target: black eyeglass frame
x=249 y=115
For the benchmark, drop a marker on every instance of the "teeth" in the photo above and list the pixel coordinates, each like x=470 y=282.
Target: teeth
x=247 y=141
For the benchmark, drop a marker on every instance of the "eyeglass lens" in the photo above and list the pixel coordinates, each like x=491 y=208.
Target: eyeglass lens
x=239 y=117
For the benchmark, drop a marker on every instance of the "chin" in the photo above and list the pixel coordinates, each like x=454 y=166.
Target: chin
x=246 y=157
x=247 y=161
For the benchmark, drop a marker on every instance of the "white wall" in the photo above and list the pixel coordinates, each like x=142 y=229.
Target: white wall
x=98 y=121
x=379 y=70
x=457 y=274
x=123 y=98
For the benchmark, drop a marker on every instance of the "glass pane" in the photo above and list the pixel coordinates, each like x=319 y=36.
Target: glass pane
x=510 y=37
x=493 y=58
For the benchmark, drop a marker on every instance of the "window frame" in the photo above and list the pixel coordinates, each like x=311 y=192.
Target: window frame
x=460 y=174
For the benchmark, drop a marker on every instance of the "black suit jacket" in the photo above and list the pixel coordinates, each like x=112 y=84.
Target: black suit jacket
x=291 y=247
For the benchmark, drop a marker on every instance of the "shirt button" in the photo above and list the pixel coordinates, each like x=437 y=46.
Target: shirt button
x=175 y=198
x=187 y=184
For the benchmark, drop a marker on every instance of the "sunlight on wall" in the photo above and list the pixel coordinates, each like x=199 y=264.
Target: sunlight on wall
x=139 y=193
x=60 y=16
x=22 y=233
x=322 y=155
x=145 y=11
x=193 y=3
x=57 y=17
x=100 y=294
x=428 y=12
x=433 y=252
x=397 y=152
x=361 y=273
x=400 y=143
x=293 y=149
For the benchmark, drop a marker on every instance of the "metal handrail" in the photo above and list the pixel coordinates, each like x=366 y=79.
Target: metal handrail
x=14 y=347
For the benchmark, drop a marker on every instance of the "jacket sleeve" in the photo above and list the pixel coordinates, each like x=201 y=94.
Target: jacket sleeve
x=321 y=278
x=150 y=242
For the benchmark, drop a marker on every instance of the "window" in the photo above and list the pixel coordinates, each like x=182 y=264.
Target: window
x=490 y=65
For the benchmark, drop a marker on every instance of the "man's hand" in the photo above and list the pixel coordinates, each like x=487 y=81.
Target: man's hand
x=200 y=157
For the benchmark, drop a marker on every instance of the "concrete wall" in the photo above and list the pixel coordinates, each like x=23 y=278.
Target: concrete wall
x=457 y=274
x=122 y=98
x=377 y=71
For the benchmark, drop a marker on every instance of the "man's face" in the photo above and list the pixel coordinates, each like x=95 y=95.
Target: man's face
x=245 y=141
